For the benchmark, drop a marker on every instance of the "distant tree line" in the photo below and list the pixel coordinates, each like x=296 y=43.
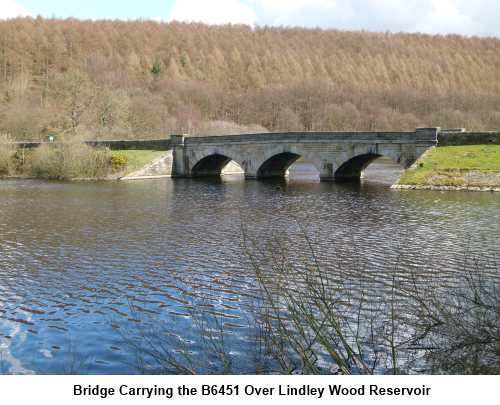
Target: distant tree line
x=110 y=79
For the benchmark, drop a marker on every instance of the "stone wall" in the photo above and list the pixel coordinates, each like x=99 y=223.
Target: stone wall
x=139 y=144
x=454 y=138
x=144 y=144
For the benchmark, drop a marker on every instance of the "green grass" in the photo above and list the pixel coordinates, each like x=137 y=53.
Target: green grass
x=469 y=165
x=137 y=159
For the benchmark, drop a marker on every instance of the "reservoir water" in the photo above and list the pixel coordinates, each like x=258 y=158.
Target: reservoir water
x=89 y=271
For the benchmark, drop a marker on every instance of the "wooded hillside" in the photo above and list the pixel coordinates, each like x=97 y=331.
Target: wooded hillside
x=144 y=79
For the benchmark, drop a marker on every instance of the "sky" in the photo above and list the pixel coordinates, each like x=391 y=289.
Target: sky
x=466 y=17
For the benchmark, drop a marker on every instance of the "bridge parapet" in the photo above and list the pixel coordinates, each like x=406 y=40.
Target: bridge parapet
x=427 y=134
x=420 y=135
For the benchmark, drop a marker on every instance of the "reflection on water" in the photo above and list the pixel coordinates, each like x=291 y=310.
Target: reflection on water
x=80 y=262
x=382 y=171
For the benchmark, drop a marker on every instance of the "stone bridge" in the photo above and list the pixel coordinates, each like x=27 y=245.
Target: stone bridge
x=338 y=156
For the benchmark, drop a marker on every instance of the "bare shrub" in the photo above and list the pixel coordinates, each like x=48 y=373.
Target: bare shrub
x=459 y=327
x=69 y=160
x=44 y=163
x=315 y=323
x=7 y=152
x=306 y=318
x=320 y=320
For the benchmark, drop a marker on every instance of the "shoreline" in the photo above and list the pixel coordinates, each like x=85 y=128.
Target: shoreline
x=427 y=187
x=76 y=179
x=445 y=188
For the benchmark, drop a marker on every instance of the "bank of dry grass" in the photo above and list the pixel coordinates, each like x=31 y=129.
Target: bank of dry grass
x=70 y=160
x=7 y=152
x=66 y=161
x=62 y=161
x=100 y=76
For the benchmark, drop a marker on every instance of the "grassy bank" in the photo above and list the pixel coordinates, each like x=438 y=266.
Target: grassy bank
x=457 y=166
x=137 y=159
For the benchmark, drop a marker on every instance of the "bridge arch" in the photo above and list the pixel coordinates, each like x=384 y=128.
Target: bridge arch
x=211 y=165
x=276 y=162
x=277 y=165
x=351 y=169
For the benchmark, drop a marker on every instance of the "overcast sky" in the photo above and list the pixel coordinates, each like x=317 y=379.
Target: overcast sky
x=467 y=17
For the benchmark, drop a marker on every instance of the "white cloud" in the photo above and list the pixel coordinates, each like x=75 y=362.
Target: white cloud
x=213 y=12
x=10 y=9
x=484 y=14
x=445 y=16
x=467 y=17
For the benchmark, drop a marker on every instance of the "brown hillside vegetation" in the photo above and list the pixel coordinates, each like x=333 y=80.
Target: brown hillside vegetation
x=147 y=79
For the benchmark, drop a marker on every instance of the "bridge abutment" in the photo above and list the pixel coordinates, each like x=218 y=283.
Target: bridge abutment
x=178 y=161
x=277 y=165
x=326 y=171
